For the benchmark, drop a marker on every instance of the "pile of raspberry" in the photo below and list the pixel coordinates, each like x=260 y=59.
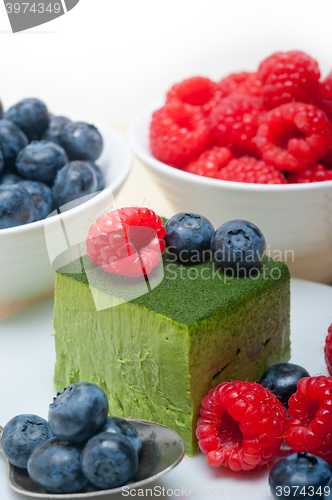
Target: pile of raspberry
x=273 y=126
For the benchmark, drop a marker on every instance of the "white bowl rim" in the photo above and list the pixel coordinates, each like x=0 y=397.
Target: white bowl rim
x=138 y=123
x=102 y=195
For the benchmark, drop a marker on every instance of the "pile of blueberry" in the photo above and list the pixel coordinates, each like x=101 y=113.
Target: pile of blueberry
x=300 y=474
x=77 y=445
x=237 y=244
x=46 y=161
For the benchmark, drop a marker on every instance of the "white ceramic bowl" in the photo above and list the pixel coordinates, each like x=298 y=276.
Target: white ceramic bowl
x=296 y=219
x=26 y=252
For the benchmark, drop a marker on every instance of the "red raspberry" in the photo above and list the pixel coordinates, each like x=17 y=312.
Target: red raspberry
x=234 y=123
x=248 y=169
x=294 y=136
x=252 y=85
x=199 y=92
x=230 y=83
x=127 y=241
x=177 y=133
x=328 y=350
x=288 y=76
x=316 y=173
x=327 y=159
x=309 y=427
x=241 y=426
x=323 y=97
x=210 y=162
x=241 y=83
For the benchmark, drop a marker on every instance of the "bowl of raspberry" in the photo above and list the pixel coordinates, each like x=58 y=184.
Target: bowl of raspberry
x=255 y=146
x=55 y=174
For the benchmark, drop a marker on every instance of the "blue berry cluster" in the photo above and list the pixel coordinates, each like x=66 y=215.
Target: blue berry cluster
x=298 y=475
x=77 y=445
x=46 y=162
x=237 y=245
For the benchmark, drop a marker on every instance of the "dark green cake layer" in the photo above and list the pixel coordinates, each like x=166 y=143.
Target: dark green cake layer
x=212 y=290
x=157 y=355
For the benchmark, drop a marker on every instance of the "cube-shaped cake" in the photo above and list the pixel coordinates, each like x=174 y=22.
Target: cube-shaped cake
x=158 y=355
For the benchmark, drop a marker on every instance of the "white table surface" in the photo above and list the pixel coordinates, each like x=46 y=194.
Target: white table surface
x=27 y=358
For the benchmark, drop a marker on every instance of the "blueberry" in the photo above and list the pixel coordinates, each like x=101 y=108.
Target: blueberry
x=56 y=466
x=238 y=245
x=12 y=140
x=9 y=178
x=16 y=206
x=42 y=196
x=2 y=162
x=40 y=161
x=121 y=426
x=78 y=412
x=82 y=141
x=301 y=475
x=20 y=437
x=282 y=379
x=74 y=180
x=99 y=174
x=55 y=126
x=31 y=116
x=109 y=460
x=188 y=237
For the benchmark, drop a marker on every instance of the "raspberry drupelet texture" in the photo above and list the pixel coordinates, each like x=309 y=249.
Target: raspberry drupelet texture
x=178 y=133
x=249 y=169
x=309 y=427
x=327 y=159
x=230 y=83
x=241 y=426
x=288 y=76
x=316 y=173
x=127 y=242
x=328 y=350
x=323 y=98
x=200 y=93
x=294 y=136
x=210 y=162
x=241 y=83
x=252 y=85
x=234 y=123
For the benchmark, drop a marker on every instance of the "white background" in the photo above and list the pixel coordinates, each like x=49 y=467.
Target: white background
x=106 y=59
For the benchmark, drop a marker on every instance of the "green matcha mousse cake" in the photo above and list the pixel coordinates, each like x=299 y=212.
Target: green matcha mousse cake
x=158 y=355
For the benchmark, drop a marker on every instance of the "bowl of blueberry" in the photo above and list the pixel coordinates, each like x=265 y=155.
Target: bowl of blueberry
x=55 y=171
x=253 y=145
x=81 y=450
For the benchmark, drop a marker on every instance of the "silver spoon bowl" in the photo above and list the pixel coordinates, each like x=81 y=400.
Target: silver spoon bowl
x=162 y=449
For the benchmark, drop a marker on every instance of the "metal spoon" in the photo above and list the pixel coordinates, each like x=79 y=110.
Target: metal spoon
x=162 y=449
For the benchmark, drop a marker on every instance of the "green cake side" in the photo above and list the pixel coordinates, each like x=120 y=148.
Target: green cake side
x=158 y=355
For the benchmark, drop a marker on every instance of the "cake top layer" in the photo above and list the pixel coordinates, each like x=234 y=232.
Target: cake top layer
x=187 y=294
